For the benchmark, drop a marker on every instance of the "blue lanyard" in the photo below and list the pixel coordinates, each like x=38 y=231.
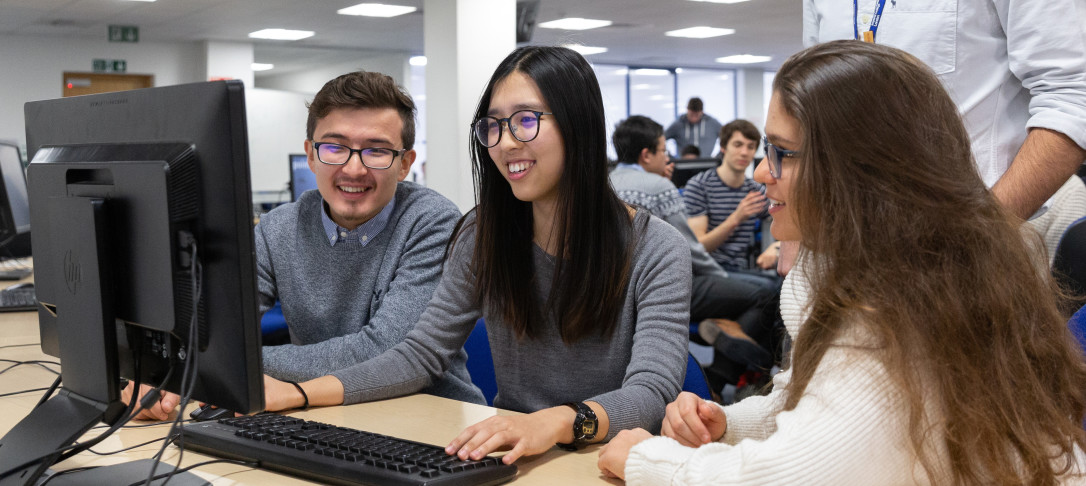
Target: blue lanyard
x=874 y=21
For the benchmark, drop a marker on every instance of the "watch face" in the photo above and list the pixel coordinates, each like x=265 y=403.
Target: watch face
x=588 y=427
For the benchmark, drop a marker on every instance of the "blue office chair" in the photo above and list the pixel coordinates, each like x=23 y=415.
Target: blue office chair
x=480 y=362
x=1078 y=326
x=695 y=381
x=273 y=326
x=1069 y=262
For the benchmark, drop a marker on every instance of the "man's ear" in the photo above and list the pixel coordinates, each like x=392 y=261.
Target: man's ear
x=644 y=156
x=406 y=161
x=311 y=156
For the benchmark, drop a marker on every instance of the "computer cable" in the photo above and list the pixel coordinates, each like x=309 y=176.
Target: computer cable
x=39 y=362
x=188 y=376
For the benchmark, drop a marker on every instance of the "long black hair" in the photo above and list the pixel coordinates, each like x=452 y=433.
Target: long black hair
x=593 y=229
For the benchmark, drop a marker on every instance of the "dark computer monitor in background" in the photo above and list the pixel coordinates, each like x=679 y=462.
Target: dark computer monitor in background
x=14 y=207
x=143 y=255
x=301 y=178
x=687 y=168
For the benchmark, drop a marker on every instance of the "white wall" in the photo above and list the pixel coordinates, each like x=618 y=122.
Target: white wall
x=311 y=80
x=276 y=129
x=31 y=69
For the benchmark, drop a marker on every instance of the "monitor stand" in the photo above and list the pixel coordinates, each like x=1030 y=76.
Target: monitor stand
x=134 y=472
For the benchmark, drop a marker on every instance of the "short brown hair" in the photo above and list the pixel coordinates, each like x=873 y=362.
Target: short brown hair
x=695 y=104
x=742 y=126
x=363 y=89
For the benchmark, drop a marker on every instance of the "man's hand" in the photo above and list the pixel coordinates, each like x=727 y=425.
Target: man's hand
x=751 y=205
x=160 y=410
x=693 y=421
x=613 y=456
x=668 y=170
x=768 y=258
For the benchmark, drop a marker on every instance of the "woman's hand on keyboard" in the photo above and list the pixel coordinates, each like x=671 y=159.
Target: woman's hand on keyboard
x=522 y=435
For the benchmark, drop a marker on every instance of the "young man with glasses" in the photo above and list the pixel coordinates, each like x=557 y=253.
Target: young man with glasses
x=355 y=262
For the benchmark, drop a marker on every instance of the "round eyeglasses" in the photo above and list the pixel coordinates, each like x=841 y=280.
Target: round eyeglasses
x=371 y=157
x=523 y=125
x=774 y=155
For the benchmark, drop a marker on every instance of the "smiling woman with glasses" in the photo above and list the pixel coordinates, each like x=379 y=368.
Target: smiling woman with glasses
x=586 y=301
x=928 y=344
x=523 y=124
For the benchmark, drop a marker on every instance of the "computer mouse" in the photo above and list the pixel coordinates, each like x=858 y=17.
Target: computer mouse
x=209 y=412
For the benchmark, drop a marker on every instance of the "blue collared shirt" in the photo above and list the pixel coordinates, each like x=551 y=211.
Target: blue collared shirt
x=363 y=233
x=624 y=165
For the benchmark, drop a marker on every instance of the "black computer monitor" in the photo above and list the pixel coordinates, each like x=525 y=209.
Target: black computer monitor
x=141 y=207
x=301 y=178
x=687 y=168
x=14 y=207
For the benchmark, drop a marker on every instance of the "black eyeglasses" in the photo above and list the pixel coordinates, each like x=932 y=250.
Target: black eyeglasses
x=523 y=125
x=774 y=155
x=372 y=157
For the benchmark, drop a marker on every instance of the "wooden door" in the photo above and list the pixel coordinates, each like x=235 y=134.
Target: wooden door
x=76 y=84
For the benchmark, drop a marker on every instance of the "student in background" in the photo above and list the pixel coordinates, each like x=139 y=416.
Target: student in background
x=723 y=206
x=737 y=317
x=586 y=300
x=929 y=349
x=694 y=128
x=690 y=152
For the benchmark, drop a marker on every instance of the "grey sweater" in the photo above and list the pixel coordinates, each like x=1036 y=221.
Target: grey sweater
x=633 y=374
x=660 y=197
x=346 y=303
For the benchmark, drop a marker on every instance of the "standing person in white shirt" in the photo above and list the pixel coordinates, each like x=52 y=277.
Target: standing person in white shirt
x=928 y=350
x=1015 y=68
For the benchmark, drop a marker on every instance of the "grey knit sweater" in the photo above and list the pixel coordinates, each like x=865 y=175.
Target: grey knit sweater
x=633 y=374
x=346 y=303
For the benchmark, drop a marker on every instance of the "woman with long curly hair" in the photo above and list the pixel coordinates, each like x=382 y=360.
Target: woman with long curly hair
x=929 y=345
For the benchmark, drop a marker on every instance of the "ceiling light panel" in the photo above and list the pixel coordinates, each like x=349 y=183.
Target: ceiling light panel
x=700 y=32
x=376 y=10
x=575 y=23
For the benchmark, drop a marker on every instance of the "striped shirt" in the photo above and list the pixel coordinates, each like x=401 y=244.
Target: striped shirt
x=707 y=194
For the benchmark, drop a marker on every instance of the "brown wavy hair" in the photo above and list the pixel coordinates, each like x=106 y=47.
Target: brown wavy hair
x=904 y=238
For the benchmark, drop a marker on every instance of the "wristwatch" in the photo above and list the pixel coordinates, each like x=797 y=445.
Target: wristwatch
x=585 y=426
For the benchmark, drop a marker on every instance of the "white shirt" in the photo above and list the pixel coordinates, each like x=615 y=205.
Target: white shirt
x=1009 y=65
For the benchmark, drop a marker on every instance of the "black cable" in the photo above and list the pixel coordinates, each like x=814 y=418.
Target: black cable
x=49 y=393
x=39 y=362
x=152 y=441
x=20 y=392
x=188 y=377
x=19 y=345
x=185 y=469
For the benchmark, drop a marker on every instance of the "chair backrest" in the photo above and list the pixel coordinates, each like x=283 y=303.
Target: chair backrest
x=480 y=362
x=1078 y=326
x=1069 y=264
x=695 y=381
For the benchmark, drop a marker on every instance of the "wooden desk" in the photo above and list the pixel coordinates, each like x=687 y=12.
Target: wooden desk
x=422 y=418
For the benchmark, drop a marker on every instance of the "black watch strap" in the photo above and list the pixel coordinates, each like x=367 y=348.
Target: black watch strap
x=585 y=426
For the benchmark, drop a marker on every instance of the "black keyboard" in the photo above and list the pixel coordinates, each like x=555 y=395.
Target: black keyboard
x=20 y=299
x=337 y=455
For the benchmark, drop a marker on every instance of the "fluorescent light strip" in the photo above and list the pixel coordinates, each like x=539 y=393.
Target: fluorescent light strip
x=721 y=1
x=376 y=10
x=281 y=34
x=743 y=59
x=260 y=66
x=417 y=61
x=585 y=50
x=700 y=32
x=575 y=23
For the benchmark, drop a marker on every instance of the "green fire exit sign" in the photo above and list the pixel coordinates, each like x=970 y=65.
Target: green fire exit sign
x=124 y=33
